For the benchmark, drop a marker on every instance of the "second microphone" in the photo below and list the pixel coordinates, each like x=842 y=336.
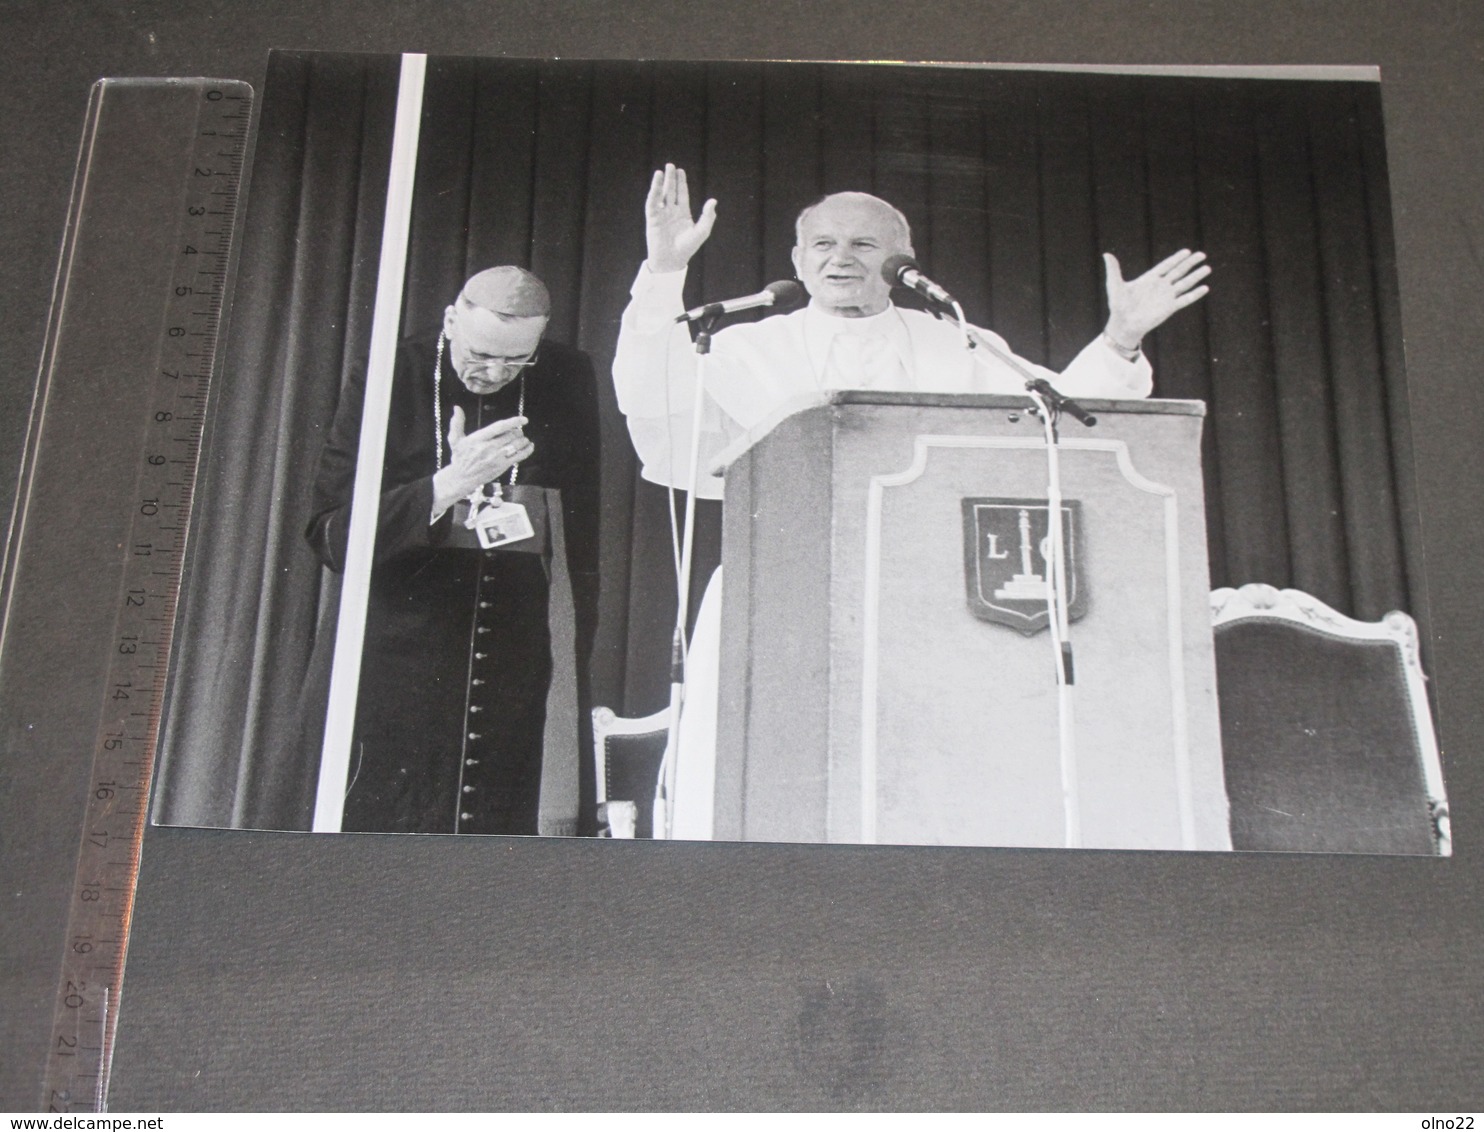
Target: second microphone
x=785 y=294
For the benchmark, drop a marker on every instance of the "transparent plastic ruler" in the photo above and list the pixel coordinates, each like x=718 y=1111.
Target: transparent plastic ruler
x=97 y=541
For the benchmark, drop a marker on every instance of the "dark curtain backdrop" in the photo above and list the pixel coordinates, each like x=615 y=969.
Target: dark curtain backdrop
x=1014 y=183
x=234 y=750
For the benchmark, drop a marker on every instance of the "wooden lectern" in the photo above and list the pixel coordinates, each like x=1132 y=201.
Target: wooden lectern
x=885 y=676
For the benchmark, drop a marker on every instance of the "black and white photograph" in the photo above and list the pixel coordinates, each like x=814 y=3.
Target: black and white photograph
x=811 y=452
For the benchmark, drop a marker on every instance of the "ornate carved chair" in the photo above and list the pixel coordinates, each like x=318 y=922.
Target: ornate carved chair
x=628 y=753
x=1327 y=738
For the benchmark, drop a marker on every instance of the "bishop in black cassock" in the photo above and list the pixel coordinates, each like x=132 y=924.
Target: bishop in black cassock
x=472 y=684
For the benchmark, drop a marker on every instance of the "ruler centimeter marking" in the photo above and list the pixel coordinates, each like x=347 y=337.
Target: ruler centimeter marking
x=170 y=394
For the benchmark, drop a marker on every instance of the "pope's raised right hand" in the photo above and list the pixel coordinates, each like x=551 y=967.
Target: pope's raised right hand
x=672 y=234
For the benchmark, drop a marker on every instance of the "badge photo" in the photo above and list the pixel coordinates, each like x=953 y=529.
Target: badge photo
x=501 y=523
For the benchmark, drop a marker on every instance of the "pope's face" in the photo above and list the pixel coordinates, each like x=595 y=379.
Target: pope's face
x=489 y=352
x=843 y=244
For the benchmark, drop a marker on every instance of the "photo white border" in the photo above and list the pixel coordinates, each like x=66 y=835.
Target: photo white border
x=386 y=323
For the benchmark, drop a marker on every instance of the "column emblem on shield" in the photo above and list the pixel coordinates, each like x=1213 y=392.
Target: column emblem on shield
x=1006 y=546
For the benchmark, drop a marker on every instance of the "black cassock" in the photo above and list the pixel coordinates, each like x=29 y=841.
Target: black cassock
x=474 y=660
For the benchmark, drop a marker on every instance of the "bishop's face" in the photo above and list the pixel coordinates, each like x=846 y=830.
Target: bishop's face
x=489 y=352
x=842 y=245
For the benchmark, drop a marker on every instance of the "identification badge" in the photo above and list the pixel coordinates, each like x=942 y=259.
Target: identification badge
x=499 y=522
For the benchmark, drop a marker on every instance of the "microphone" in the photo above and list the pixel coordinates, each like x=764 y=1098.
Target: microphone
x=783 y=294
x=902 y=271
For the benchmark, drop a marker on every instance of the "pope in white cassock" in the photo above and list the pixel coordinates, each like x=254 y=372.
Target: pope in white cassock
x=849 y=336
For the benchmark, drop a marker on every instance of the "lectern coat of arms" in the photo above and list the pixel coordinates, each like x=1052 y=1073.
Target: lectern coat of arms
x=1006 y=550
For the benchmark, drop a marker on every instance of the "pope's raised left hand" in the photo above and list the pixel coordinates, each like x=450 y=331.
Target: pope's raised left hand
x=1137 y=306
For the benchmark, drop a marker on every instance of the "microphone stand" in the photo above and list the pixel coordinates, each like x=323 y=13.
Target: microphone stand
x=664 y=802
x=1049 y=405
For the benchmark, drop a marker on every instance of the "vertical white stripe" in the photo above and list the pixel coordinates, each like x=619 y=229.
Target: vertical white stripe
x=870 y=656
x=871 y=634
x=1180 y=722
x=334 y=766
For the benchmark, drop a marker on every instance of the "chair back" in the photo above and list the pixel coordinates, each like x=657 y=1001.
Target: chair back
x=1327 y=738
x=627 y=754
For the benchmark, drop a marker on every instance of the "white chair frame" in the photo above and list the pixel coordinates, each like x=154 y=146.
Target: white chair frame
x=1256 y=600
x=607 y=722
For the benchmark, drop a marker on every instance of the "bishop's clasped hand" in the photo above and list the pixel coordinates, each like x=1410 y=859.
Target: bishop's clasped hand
x=478 y=461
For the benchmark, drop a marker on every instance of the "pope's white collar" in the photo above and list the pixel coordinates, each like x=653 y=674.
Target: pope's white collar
x=860 y=324
x=821 y=329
